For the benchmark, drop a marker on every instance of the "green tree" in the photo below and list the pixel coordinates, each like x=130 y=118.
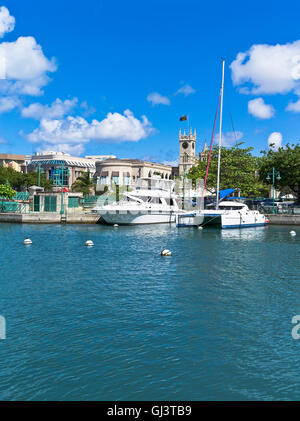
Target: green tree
x=31 y=179
x=7 y=191
x=239 y=170
x=84 y=183
x=20 y=180
x=287 y=161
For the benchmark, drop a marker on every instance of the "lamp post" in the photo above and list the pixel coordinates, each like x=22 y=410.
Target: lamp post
x=274 y=173
x=39 y=170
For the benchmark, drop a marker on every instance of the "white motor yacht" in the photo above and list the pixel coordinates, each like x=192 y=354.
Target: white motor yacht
x=152 y=201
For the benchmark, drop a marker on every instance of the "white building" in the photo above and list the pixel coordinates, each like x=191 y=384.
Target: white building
x=50 y=161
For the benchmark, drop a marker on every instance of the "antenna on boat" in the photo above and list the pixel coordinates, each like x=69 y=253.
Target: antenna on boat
x=220 y=133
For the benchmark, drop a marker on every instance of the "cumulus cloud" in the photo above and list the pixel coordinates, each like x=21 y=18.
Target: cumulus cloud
x=268 y=69
x=76 y=131
x=26 y=67
x=173 y=163
x=259 y=109
x=8 y=103
x=57 y=109
x=7 y=22
x=229 y=138
x=155 y=98
x=275 y=140
x=185 y=90
x=294 y=106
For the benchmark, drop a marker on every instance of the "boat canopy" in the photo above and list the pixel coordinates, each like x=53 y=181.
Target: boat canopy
x=225 y=193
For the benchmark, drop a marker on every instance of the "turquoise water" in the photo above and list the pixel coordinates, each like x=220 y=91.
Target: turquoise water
x=120 y=322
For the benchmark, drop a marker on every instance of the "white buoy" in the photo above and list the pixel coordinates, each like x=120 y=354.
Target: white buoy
x=27 y=241
x=116 y=225
x=166 y=253
x=292 y=233
x=89 y=243
x=200 y=228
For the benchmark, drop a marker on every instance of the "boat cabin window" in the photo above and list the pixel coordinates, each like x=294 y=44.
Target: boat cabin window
x=155 y=200
x=230 y=207
x=170 y=202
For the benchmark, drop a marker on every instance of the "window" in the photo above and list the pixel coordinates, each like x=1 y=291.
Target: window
x=73 y=202
x=104 y=179
x=50 y=204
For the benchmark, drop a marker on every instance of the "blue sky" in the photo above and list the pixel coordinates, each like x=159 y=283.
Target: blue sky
x=114 y=76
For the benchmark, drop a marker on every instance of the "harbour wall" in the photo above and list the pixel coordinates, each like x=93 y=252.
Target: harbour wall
x=282 y=219
x=89 y=218
x=50 y=218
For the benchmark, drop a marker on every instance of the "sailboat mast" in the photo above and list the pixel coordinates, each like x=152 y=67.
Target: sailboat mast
x=220 y=133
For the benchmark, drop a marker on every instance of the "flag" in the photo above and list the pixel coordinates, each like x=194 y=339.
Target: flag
x=183 y=118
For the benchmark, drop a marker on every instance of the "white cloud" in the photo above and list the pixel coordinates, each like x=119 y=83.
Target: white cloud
x=76 y=131
x=259 y=109
x=173 y=163
x=268 y=69
x=57 y=109
x=8 y=103
x=7 y=22
x=26 y=67
x=229 y=138
x=275 y=139
x=294 y=106
x=156 y=99
x=185 y=90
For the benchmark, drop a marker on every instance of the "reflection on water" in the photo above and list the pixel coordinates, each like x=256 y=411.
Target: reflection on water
x=256 y=234
x=120 y=322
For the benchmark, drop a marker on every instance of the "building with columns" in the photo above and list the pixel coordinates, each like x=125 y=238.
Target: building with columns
x=125 y=172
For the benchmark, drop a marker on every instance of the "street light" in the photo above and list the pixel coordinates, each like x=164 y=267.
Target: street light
x=40 y=170
x=274 y=173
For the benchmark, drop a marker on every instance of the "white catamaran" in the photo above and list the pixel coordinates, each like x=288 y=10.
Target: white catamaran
x=228 y=214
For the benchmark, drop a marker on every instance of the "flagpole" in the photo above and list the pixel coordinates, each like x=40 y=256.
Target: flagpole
x=220 y=134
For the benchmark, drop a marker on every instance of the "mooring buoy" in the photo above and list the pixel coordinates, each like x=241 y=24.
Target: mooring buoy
x=166 y=253
x=89 y=243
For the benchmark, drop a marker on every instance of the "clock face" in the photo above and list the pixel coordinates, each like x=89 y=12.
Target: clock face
x=185 y=145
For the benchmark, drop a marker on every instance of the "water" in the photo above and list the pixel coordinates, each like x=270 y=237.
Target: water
x=120 y=322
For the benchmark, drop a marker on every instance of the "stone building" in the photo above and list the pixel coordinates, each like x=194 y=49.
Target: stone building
x=127 y=171
x=12 y=161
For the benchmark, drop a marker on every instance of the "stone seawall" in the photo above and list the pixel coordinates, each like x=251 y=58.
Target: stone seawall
x=283 y=219
x=89 y=218
x=50 y=218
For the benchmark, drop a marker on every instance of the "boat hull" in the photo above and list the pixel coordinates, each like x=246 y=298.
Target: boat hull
x=222 y=220
x=138 y=218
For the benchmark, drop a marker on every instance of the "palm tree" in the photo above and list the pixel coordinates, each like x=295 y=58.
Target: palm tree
x=84 y=183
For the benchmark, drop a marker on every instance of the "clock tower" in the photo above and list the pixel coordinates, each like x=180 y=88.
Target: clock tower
x=187 y=151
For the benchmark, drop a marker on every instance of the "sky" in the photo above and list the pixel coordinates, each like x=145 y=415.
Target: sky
x=113 y=77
